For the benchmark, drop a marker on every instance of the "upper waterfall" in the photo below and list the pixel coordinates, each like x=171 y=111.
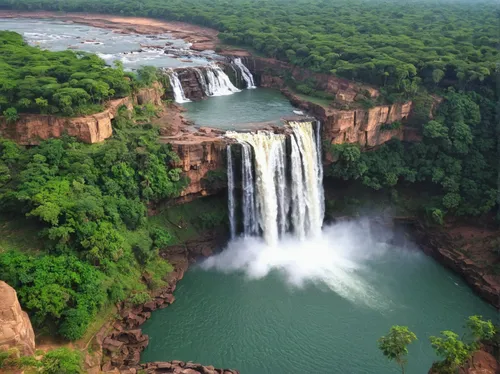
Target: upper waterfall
x=214 y=81
x=179 y=95
x=245 y=73
x=278 y=161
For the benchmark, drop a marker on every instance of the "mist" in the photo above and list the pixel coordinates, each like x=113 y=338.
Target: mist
x=339 y=259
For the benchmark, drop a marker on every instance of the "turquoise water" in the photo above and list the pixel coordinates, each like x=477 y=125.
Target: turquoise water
x=315 y=307
x=241 y=110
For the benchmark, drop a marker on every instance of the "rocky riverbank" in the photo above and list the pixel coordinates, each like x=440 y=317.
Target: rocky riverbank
x=122 y=341
x=468 y=250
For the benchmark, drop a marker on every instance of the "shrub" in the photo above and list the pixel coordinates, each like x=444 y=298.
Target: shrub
x=62 y=360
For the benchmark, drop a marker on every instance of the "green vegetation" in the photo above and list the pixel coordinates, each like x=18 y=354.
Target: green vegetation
x=67 y=83
x=389 y=44
x=394 y=345
x=88 y=204
x=456 y=161
x=454 y=351
x=58 y=361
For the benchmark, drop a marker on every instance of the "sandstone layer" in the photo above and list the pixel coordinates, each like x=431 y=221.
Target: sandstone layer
x=31 y=129
x=15 y=326
x=481 y=362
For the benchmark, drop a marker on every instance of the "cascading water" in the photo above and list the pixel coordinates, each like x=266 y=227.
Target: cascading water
x=215 y=82
x=245 y=73
x=177 y=87
x=230 y=187
x=267 y=203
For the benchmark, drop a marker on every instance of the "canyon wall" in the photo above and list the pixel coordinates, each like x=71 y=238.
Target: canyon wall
x=31 y=129
x=202 y=158
x=15 y=326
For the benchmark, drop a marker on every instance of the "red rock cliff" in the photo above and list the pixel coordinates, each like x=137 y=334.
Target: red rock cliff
x=199 y=155
x=15 y=326
x=30 y=129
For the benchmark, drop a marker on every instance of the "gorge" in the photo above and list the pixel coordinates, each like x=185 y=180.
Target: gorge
x=272 y=285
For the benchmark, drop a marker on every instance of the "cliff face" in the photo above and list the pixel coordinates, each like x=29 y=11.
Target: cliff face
x=31 y=129
x=15 y=326
x=200 y=155
x=361 y=126
x=190 y=84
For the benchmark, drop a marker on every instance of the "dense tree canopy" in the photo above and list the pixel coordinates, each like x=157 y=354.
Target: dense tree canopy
x=66 y=83
x=89 y=205
x=386 y=43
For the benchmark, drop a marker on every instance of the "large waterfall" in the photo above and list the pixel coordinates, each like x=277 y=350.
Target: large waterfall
x=177 y=87
x=245 y=73
x=269 y=163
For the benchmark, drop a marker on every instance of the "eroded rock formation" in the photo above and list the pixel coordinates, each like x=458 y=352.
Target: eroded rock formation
x=31 y=129
x=200 y=155
x=366 y=127
x=15 y=326
x=192 y=87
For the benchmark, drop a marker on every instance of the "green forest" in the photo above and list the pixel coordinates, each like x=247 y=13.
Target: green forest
x=67 y=83
x=399 y=45
x=86 y=205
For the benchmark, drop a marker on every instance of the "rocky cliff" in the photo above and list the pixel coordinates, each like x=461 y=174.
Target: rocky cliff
x=31 y=129
x=190 y=84
x=200 y=154
x=15 y=326
x=367 y=127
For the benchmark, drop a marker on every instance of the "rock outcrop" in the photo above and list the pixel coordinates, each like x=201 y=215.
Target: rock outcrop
x=362 y=126
x=182 y=367
x=200 y=155
x=190 y=84
x=15 y=326
x=31 y=129
x=471 y=261
x=481 y=362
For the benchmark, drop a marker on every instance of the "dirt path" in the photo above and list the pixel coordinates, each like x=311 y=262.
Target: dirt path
x=202 y=38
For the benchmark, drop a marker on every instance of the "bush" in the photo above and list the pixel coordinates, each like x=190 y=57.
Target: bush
x=62 y=361
x=140 y=298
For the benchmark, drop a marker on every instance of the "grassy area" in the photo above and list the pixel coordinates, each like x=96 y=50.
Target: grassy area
x=19 y=233
x=313 y=99
x=188 y=221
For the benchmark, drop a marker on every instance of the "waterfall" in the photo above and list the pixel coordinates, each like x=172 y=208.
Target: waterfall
x=245 y=73
x=230 y=187
x=177 y=87
x=269 y=205
x=250 y=224
x=215 y=82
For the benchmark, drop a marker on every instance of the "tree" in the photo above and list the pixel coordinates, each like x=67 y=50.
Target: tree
x=60 y=361
x=394 y=345
x=480 y=329
x=453 y=351
x=11 y=115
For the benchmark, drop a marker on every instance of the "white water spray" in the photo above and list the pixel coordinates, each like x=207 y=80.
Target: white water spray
x=245 y=73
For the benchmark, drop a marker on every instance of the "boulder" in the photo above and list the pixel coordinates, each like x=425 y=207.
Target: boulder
x=15 y=326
